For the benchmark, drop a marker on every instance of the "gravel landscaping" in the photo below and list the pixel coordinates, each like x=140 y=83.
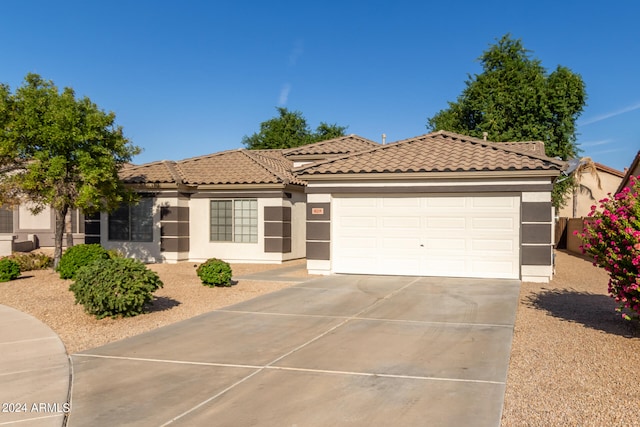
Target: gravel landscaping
x=574 y=361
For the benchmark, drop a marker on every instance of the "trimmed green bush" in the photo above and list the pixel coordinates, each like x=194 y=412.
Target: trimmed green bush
x=28 y=261
x=79 y=256
x=9 y=270
x=215 y=272
x=115 y=287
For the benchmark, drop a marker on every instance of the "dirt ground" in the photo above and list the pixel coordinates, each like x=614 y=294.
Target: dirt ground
x=574 y=360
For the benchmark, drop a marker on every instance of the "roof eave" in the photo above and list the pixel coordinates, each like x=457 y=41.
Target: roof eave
x=246 y=186
x=429 y=175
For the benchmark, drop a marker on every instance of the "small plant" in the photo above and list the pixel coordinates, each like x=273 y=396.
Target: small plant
x=79 y=256
x=31 y=260
x=215 y=272
x=115 y=287
x=9 y=270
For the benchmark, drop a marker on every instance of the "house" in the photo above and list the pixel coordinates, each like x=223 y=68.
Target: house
x=633 y=170
x=440 y=204
x=588 y=193
x=240 y=205
x=21 y=230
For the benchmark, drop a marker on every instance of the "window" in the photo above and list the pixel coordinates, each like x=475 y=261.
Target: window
x=132 y=223
x=234 y=221
x=6 y=220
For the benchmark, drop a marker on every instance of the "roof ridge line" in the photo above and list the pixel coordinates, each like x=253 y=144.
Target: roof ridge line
x=172 y=168
x=288 y=150
x=492 y=144
x=269 y=169
x=334 y=159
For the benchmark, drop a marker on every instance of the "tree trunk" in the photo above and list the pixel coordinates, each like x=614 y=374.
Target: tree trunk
x=61 y=214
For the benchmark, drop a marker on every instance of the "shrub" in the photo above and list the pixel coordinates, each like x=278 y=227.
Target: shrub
x=31 y=260
x=613 y=239
x=9 y=270
x=115 y=287
x=79 y=256
x=215 y=272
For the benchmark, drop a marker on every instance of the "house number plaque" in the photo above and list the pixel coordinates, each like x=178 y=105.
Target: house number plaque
x=317 y=211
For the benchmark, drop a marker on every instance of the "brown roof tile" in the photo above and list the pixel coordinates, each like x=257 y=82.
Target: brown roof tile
x=337 y=146
x=434 y=152
x=534 y=147
x=238 y=167
x=161 y=172
x=607 y=169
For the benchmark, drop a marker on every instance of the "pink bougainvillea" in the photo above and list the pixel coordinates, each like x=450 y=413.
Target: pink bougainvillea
x=612 y=237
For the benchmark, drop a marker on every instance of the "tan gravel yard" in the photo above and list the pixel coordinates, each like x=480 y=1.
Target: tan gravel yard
x=47 y=297
x=574 y=361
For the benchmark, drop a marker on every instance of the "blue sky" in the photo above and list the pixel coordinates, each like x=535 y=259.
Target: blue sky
x=193 y=77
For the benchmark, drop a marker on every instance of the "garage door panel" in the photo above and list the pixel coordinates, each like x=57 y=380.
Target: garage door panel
x=493 y=202
x=497 y=224
x=465 y=236
x=398 y=243
x=400 y=222
x=444 y=202
x=445 y=244
x=400 y=202
x=493 y=246
x=446 y=223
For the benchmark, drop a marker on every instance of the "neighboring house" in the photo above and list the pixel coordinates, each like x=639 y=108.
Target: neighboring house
x=21 y=230
x=440 y=204
x=589 y=194
x=634 y=170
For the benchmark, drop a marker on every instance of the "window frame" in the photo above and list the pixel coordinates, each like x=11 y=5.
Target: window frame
x=237 y=224
x=144 y=231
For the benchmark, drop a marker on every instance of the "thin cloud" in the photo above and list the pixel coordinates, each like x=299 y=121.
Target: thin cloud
x=611 y=114
x=613 y=150
x=284 y=94
x=596 y=143
x=296 y=52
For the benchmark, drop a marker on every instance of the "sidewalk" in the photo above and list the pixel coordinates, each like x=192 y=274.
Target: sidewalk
x=34 y=372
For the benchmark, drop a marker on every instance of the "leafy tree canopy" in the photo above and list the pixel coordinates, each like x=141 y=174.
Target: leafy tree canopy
x=515 y=99
x=63 y=152
x=290 y=129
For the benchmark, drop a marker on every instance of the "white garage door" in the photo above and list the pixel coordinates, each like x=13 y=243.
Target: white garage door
x=460 y=236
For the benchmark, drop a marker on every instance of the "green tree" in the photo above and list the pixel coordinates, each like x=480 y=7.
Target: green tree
x=290 y=129
x=63 y=152
x=515 y=99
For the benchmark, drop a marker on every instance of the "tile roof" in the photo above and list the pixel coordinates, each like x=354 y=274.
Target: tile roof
x=434 y=152
x=337 y=146
x=238 y=167
x=161 y=172
x=612 y=171
x=533 y=147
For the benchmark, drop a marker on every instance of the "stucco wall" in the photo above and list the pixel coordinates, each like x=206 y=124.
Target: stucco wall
x=202 y=248
x=588 y=194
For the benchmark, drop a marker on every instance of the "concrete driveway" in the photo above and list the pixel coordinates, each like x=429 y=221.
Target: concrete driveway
x=339 y=350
